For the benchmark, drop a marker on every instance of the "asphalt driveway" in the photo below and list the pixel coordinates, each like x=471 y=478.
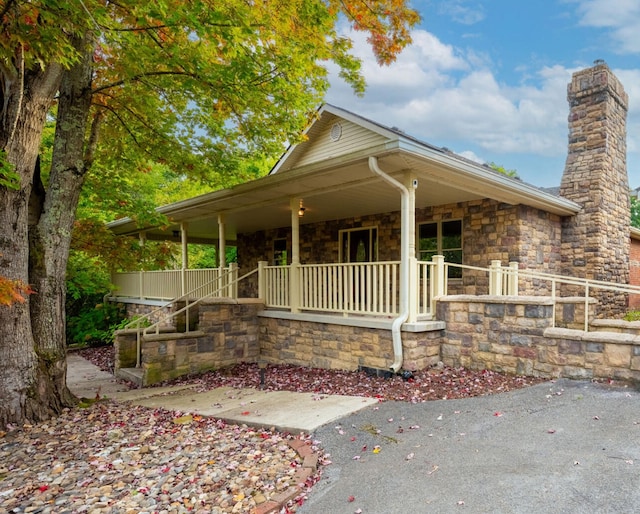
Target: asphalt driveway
x=563 y=446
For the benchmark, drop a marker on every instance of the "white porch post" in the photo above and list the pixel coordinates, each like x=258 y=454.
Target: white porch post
x=294 y=278
x=185 y=257
x=221 y=252
x=410 y=220
x=143 y=241
x=222 y=258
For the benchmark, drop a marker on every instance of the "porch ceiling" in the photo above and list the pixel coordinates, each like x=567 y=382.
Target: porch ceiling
x=339 y=188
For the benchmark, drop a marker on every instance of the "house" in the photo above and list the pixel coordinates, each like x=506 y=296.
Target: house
x=349 y=242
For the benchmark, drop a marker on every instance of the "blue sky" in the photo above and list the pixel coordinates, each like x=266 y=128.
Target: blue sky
x=488 y=78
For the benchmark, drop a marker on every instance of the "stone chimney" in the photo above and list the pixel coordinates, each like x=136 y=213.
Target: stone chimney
x=595 y=242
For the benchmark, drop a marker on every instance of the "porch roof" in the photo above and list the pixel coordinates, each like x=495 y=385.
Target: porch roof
x=334 y=181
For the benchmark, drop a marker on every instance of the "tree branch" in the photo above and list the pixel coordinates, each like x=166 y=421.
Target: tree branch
x=140 y=76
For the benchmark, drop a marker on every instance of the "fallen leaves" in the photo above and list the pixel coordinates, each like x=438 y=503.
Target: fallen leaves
x=425 y=385
x=155 y=456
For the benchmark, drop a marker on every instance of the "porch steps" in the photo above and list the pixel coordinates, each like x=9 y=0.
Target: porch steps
x=134 y=375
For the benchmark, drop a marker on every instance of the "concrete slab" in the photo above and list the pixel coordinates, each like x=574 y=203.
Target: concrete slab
x=284 y=410
x=86 y=380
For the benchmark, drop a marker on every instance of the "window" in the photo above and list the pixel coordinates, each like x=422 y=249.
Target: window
x=359 y=245
x=441 y=238
x=279 y=252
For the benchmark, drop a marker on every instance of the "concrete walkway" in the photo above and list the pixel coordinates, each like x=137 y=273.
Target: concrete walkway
x=283 y=410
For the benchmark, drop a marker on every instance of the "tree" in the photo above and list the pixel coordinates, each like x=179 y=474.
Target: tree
x=635 y=211
x=196 y=85
x=503 y=170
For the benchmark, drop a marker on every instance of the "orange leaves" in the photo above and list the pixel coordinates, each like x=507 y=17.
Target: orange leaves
x=13 y=291
x=388 y=23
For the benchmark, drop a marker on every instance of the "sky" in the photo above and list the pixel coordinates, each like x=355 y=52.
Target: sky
x=488 y=78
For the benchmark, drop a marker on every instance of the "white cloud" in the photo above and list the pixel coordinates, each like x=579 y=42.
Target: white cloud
x=461 y=12
x=468 y=154
x=439 y=93
x=631 y=81
x=622 y=17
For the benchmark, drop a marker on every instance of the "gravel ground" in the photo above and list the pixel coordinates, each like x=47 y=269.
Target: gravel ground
x=110 y=458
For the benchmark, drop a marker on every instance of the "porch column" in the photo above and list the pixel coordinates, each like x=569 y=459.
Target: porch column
x=222 y=258
x=185 y=256
x=143 y=241
x=411 y=183
x=294 y=278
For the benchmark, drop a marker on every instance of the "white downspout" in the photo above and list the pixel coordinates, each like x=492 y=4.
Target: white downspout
x=404 y=264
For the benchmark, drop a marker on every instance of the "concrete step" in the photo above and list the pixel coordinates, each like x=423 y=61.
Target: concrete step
x=134 y=375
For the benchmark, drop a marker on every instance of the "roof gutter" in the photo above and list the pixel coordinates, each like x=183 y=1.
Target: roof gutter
x=404 y=264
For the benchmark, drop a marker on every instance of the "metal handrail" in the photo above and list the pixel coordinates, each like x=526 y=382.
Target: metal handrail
x=156 y=325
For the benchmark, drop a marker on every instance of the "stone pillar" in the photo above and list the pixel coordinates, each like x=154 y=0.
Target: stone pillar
x=595 y=242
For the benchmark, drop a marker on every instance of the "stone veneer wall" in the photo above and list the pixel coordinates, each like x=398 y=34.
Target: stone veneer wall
x=227 y=334
x=508 y=334
x=595 y=242
x=139 y=310
x=330 y=346
x=491 y=230
x=514 y=335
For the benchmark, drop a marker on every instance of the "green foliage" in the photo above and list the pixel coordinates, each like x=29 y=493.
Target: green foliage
x=632 y=316
x=503 y=170
x=95 y=327
x=635 y=211
x=8 y=176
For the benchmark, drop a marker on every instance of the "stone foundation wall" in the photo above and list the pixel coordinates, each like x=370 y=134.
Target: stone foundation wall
x=329 y=346
x=227 y=334
x=515 y=336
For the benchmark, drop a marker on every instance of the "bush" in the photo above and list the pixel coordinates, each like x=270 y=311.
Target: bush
x=95 y=327
x=632 y=316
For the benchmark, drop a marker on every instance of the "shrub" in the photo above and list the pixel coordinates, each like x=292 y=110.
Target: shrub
x=632 y=316
x=95 y=327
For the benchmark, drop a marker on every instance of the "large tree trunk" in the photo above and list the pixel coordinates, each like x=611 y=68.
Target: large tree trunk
x=50 y=238
x=26 y=97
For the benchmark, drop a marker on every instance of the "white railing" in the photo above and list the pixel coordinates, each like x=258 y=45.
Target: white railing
x=170 y=284
x=369 y=288
x=276 y=286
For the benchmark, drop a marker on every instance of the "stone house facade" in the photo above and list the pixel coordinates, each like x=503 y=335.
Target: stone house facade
x=356 y=192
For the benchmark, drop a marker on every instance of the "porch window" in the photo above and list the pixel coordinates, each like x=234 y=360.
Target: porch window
x=359 y=245
x=280 y=252
x=441 y=238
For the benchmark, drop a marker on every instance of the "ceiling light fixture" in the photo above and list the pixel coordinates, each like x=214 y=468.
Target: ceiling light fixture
x=301 y=210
